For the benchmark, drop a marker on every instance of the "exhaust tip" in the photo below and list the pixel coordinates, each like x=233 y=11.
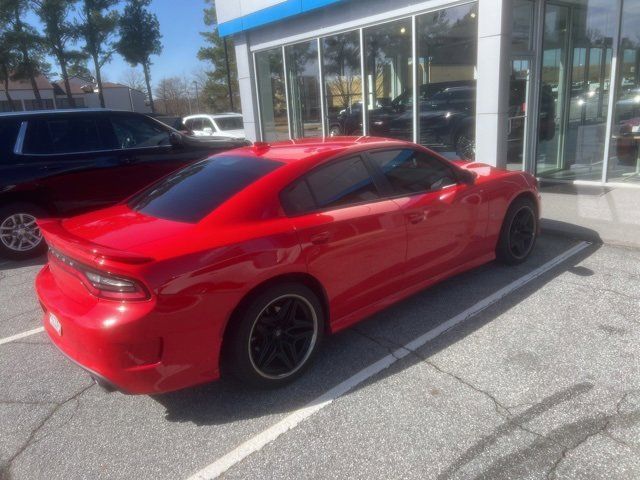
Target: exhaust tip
x=103 y=384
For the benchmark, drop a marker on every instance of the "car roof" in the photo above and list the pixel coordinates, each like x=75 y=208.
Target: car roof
x=213 y=115
x=318 y=149
x=64 y=111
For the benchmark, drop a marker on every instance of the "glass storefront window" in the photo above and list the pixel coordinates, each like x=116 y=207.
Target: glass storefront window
x=303 y=82
x=447 y=42
x=388 y=77
x=624 y=156
x=271 y=95
x=342 y=83
x=575 y=78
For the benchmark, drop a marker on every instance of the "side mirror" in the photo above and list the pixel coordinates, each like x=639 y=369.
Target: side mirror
x=175 y=139
x=467 y=177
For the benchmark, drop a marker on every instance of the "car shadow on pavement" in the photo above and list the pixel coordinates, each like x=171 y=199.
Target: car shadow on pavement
x=6 y=264
x=346 y=353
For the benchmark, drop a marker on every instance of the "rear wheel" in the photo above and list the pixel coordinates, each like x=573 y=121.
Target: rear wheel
x=519 y=232
x=275 y=335
x=20 y=236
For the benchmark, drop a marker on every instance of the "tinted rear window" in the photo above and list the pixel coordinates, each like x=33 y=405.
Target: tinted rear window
x=8 y=135
x=190 y=194
x=230 y=123
x=63 y=135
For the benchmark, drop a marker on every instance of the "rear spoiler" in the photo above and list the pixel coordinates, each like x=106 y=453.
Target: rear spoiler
x=58 y=237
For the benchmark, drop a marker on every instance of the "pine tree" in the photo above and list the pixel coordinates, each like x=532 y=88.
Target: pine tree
x=221 y=88
x=97 y=27
x=139 y=39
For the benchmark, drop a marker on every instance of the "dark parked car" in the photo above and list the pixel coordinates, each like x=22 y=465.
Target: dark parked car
x=446 y=116
x=61 y=163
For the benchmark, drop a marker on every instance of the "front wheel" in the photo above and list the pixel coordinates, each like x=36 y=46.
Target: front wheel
x=275 y=336
x=519 y=232
x=335 y=131
x=20 y=237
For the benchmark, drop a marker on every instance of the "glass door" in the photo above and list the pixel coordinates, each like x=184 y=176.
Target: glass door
x=519 y=91
x=574 y=91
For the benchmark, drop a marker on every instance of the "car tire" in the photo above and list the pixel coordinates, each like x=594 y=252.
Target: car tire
x=20 y=237
x=270 y=346
x=519 y=232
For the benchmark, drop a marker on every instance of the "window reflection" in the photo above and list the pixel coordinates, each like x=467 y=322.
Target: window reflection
x=447 y=52
x=389 y=79
x=624 y=156
x=304 y=89
x=271 y=93
x=342 y=83
x=576 y=70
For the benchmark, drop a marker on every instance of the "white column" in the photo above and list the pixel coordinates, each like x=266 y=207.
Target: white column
x=494 y=70
x=246 y=84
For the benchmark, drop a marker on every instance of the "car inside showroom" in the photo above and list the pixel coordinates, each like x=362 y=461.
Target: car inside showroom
x=550 y=87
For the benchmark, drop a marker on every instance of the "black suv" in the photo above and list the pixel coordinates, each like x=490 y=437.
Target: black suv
x=65 y=162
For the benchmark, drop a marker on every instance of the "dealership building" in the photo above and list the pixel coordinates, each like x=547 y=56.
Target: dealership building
x=548 y=86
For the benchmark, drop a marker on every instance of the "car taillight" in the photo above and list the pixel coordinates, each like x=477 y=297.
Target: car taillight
x=101 y=284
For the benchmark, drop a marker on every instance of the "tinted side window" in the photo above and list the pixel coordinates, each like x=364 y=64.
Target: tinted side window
x=342 y=183
x=138 y=132
x=297 y=198
x=409 y=171
x=190 y=194
x=63 y=135
x=8 y=136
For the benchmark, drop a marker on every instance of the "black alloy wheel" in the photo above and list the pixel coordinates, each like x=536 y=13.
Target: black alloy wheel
x=519 y=232
x=522 y=233
x=283 y=337
x=274 y=335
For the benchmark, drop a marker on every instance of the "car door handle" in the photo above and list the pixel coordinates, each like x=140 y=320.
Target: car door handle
x=416 y=217
x=320 y=238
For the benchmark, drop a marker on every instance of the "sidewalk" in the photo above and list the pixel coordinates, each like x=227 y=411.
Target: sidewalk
x=609 y=215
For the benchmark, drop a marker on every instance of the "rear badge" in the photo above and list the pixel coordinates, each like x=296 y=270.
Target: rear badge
x=55 y=323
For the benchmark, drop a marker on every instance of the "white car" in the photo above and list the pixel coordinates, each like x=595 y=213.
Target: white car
x=229 y=125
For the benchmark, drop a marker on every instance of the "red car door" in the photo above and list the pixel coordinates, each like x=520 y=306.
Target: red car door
x=446 y=219
x=353 y=240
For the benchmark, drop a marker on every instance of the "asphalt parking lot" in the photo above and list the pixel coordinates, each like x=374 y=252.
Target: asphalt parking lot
x=504 y=372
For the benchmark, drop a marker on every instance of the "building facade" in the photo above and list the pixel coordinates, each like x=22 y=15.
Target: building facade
x=548 y=86
x=84 y=92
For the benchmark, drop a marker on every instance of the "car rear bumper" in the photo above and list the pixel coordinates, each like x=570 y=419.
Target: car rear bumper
x=127 y=346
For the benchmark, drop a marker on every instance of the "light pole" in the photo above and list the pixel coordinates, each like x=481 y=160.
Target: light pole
x=226 y=62
x=197 y=96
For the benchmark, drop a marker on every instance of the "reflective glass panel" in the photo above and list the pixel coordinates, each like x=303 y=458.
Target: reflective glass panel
x=342 y=83
x=303 y=82
x=271 y=95
x=576 y=71
x=389 y=79
x=447 y=53
x=624 y=156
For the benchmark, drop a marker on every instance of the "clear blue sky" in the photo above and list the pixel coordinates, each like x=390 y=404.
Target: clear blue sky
x=181 y=22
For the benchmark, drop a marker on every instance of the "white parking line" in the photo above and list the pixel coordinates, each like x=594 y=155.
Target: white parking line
x=256 y=443
x=21 y=335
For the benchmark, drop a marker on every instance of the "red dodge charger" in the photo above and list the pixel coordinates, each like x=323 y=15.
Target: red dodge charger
x=242 y=262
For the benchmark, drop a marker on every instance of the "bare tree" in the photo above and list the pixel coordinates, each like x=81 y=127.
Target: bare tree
x=171 y=96
x=133 y=79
